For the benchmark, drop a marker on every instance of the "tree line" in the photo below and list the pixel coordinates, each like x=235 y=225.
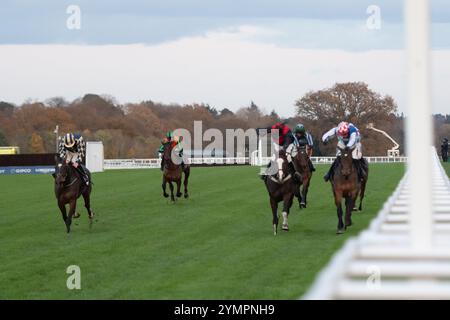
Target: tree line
x=135 y=130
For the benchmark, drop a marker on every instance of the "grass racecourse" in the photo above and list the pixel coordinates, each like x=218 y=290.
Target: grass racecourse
x=216 y=245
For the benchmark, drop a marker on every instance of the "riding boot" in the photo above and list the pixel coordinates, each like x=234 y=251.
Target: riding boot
x=296 y=175
x=327 y=176
x=162 y=164
x=364 y=167
x=330 y=172
x=83 y=173
x=311 y=166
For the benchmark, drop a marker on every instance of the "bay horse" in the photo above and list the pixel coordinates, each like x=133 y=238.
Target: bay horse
x=345 y=185
x=69 y=186
x=172 y=172
x=281 y=187
x=301 y=164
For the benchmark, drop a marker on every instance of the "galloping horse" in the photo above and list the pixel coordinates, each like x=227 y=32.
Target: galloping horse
x=301 y=164
x=69 y=186
x=345 y=184
x=173 y=173
x=281 y=187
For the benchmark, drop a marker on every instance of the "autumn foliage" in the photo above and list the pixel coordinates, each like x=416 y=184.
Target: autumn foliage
x=134 y=130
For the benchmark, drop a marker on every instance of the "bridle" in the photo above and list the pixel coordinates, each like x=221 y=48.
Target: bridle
x=280 y=180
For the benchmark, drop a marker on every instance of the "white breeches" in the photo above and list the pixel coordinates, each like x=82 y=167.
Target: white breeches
x=356 y=152
x=72 y=157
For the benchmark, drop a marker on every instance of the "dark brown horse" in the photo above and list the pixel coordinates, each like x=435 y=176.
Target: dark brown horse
x=69 y=186
x=281 y=187
x=172 y=172
x=345 y=185
x=301 y=164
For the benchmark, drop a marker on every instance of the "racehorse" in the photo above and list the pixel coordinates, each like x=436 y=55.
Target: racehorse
x=301 y=164
x=173 y=173
x=69 y=186
x=345 y=184
x=281 y=187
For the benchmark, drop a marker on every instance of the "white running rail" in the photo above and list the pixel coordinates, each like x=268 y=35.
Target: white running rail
x=155 y=163
x=383 y=263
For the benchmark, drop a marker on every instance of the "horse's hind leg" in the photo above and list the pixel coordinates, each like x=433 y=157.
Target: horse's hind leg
x=305 y=192
x=87 y=204
x=287 y=203
x=274 y=206
x=298 y=194
x=361 y=196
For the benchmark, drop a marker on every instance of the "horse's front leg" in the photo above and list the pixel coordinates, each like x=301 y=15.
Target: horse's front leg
x=62 y=208
x=349 y=204
x=164 y=185
x=287 y=203
x=305 y=191
x=274 y=206
x=172 y=197
x=187 y=172
x=337 y=201
x=179 y=187
x=73 y=206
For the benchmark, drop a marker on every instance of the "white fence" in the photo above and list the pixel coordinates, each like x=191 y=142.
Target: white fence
x=155 y=163
x=383 y=263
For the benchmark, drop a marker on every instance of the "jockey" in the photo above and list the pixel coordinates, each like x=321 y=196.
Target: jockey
x=168 y=139
x=444 y=149
x=303 y=139
x=72 y=148
x=348 y=136
x=284 y=139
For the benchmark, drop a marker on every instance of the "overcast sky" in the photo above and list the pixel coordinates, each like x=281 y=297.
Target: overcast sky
x=221 y=52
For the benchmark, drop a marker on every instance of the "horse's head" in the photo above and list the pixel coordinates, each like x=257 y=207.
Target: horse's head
x=171 y=154
x=346 y=161
x=302 y=159
x=282 y=165
x=62 y=172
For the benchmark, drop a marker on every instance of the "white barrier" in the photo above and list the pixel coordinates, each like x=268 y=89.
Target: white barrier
x=383 y=262
x=155 y=163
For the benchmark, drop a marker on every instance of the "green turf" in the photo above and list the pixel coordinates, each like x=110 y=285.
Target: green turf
x=216 y=245
x=447 y=167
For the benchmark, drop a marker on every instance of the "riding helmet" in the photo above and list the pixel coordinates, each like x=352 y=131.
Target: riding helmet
x=69 y=140
x=300 y=128
x=343 y=129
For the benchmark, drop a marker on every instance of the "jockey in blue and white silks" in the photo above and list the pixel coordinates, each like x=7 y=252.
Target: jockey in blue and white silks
x=348 y=137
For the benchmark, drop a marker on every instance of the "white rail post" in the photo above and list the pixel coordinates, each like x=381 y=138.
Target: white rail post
x=259 y=151
x=419 y=125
